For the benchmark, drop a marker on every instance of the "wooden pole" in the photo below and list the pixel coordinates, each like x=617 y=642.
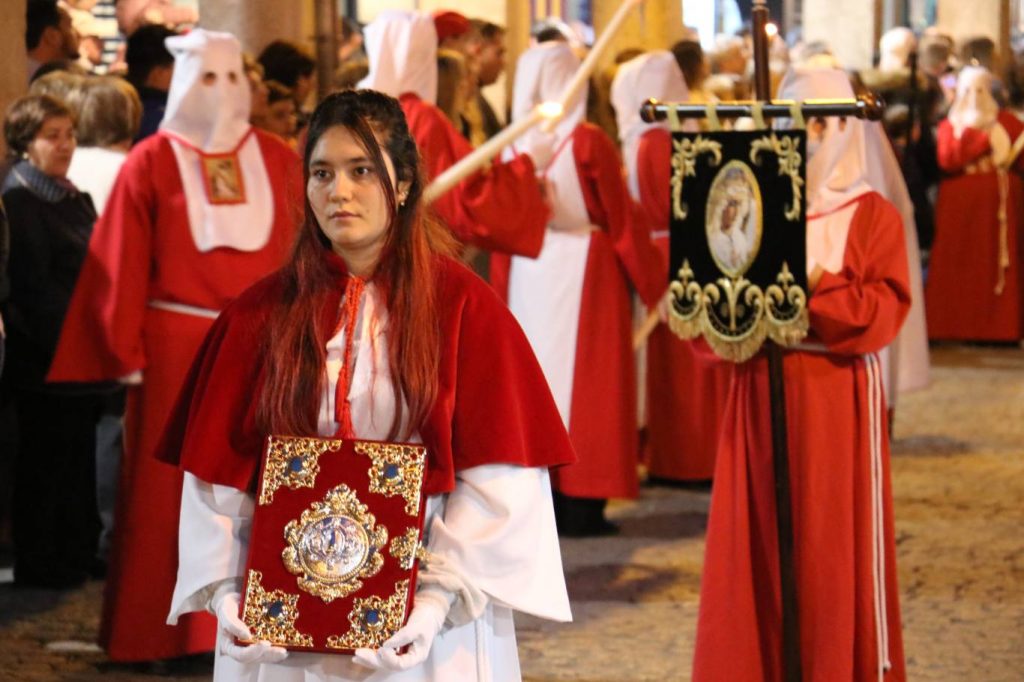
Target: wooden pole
x=590 y=63
x=326 y=19
x=791 y=666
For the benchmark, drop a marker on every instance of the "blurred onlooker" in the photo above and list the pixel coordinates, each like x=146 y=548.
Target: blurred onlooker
x=109 y=115
x=67 y=87
x=895 y=47
x=937 y=60
x=5 y=287
x=350 y=47
x=150 y=67
x=350 y=73
x=282 y=117
x=292 y=67
x=728 y=68
x=108 y=120
x=134 y=14
x=257 y=89
x=690 y=57
x=49 y=35
x=981 y=51
x=452 y=86
x=454 y=31
x=490 y=62
x=55 y=520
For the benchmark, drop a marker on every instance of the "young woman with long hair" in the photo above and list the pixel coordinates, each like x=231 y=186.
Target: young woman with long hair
x=372 y=331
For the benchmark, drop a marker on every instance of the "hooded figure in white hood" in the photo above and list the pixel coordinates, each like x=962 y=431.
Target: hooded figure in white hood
x=844 y=556
x=596 y=250
x=684 y=396
x=500 y=209
x=975 y=282
x=199 y=212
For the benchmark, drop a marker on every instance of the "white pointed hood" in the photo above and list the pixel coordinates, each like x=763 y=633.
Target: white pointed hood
x=402 y=50
x=654 y=74
x=209 y=99
x=837 y=169
x=542 y=73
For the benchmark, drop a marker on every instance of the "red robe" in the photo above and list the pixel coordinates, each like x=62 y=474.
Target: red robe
x=493 y=404
x=602 y=422
x=831 y=409
x=960 y=296
x=499 y=209
x=142 y=250
x=685 y=392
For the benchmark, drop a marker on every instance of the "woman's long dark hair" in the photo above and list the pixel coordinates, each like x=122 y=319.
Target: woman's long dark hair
x=296 y=349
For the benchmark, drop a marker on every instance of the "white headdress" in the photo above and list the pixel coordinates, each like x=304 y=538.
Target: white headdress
x=654 y=74
x=208 y=103
x=542 y=73
x=895 y=47
x=402 y=50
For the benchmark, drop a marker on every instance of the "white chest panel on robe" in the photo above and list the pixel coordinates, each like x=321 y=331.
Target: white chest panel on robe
x=544 y=293
x=243 y=227
x=826 y=238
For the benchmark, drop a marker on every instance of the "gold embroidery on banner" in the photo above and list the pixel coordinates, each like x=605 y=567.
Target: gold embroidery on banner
x=373 y=620
x=396 y=470
x=789 y=164
x=403 y=547
x=735 y=316
x=293 y=463
x=333 y=544
x=271 y=616
x=684 y=162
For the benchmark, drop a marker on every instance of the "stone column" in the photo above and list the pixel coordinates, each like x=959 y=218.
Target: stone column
x=13 y=62
x=258 y=22
x=855 y=43
x=657 y=25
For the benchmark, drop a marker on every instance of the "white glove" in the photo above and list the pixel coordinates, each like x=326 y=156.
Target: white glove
x=540 y=147
x=425 y=621
x=225 y=607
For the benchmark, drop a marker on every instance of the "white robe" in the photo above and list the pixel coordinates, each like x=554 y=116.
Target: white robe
x=495 y=535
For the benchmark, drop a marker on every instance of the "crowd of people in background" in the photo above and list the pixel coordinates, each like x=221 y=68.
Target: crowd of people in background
x=587 y=247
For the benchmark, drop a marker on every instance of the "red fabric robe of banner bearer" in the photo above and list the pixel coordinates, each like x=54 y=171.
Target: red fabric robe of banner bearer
x=839 y=476
x=142 y=250
x=602 y=422
x=499 y=209
x=685 y=391
x=961 y=301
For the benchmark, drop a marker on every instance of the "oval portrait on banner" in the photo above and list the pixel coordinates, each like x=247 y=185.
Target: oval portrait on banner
x=732 y=218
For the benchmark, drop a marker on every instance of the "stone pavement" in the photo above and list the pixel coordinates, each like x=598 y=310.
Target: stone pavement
x=958 y=476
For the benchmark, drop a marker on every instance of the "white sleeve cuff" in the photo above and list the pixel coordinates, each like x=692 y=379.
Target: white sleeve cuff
x=213 y=539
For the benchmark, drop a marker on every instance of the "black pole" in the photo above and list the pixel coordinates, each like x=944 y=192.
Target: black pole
x=868 y=106
x=791 y=667
x=911 y=107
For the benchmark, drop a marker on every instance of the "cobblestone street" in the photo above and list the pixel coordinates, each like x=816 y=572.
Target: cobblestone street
x=958 y=479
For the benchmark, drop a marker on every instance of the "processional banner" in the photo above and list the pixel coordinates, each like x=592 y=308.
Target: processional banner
x=738 y=243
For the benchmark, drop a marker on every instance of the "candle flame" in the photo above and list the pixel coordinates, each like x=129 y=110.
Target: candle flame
x=550 y=110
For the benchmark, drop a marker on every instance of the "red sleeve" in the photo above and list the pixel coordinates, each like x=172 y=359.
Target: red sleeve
x=494 y=404
x=954 y=154
x=499 y=208
x=102 y=334
x=861 y=308
x=611 y=207
x=653 y=162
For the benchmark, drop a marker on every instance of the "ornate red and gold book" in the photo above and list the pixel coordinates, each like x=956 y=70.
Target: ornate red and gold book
x=333 y=552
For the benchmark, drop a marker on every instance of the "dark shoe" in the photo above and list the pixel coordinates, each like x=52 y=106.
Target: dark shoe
x=582 y=517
